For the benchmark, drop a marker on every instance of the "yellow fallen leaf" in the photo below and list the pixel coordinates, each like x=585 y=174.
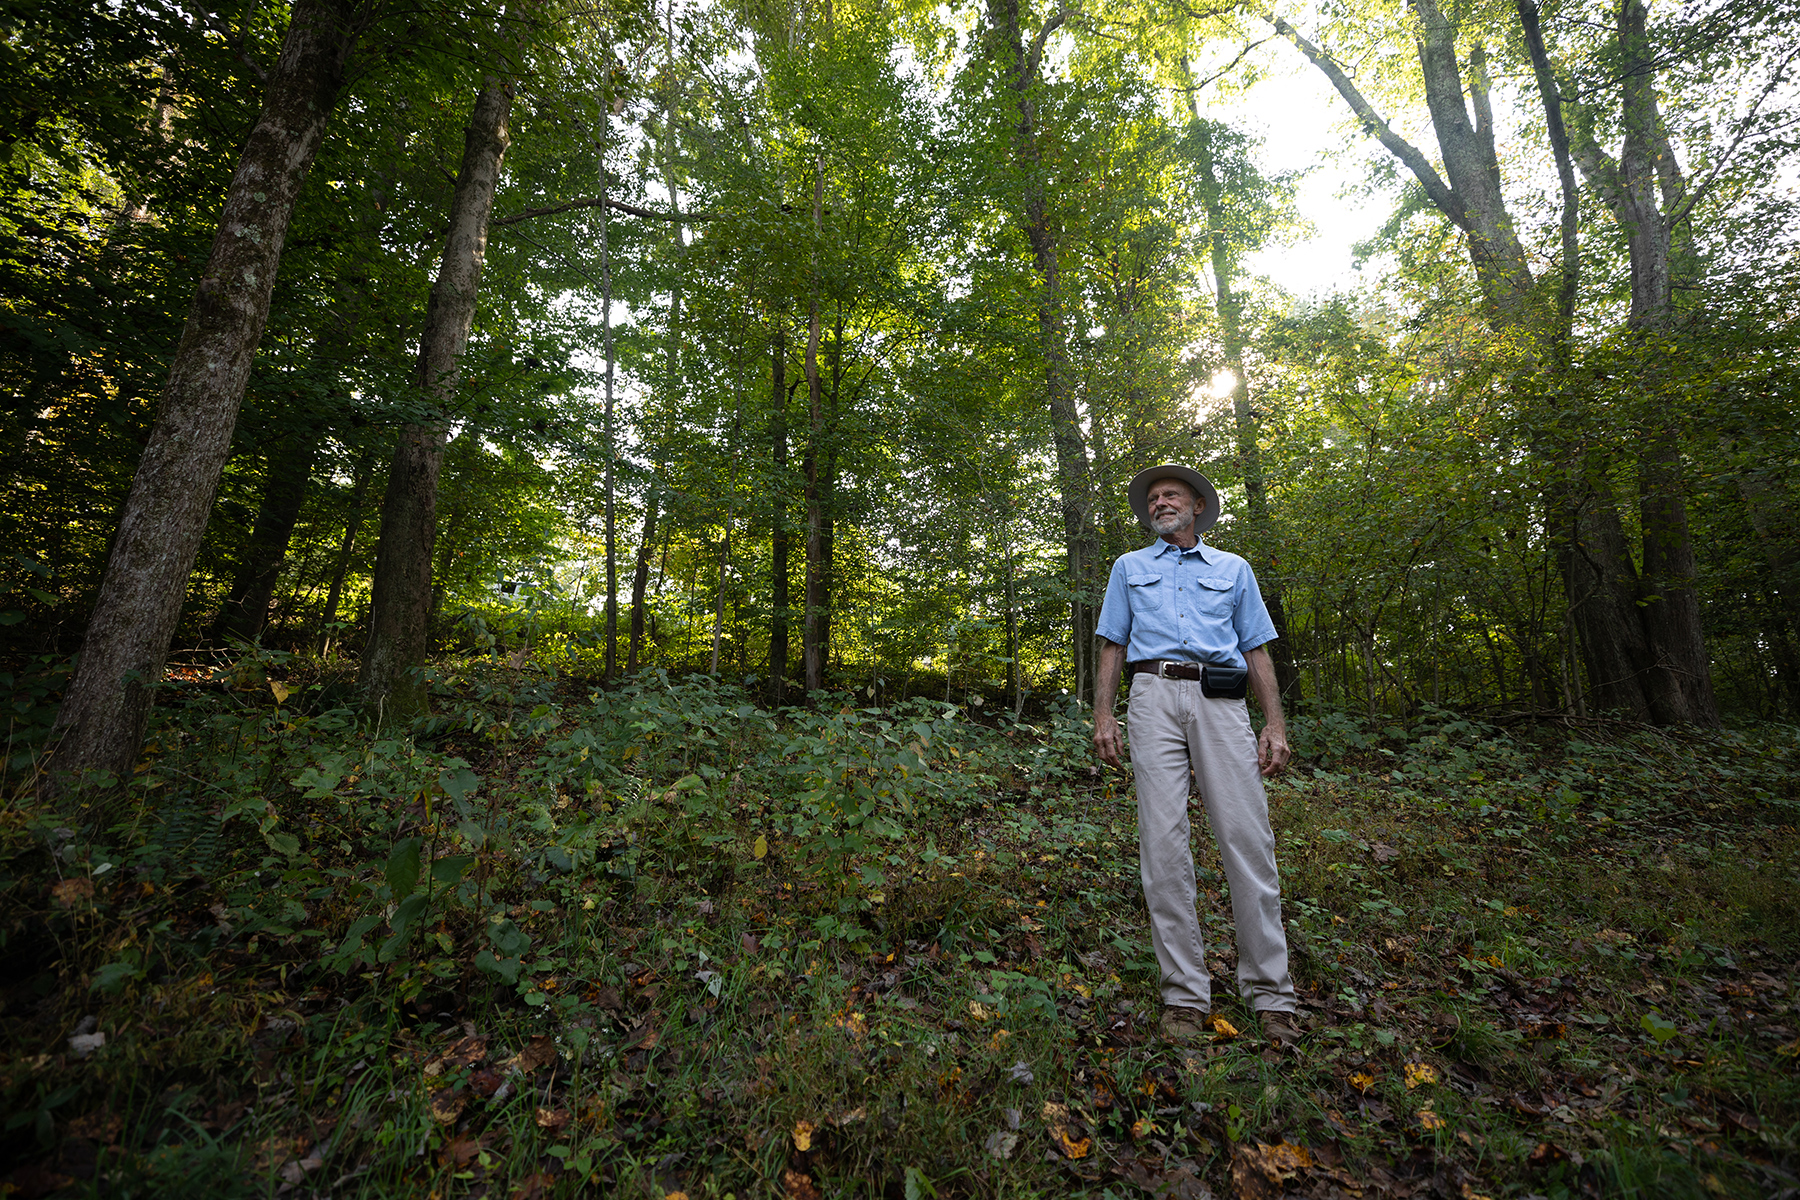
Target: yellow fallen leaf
x=279 y=690
x=1142 y=1128
x=1420 y=1073
x=1074 y=1147
x=1430 y=1121
x=803 y=1133
x=979 y=1011
x=761 y=849
x=1220 y=1026
x=1362 y=1081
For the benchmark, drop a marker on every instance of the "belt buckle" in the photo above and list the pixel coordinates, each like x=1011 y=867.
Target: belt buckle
x=1162 y=668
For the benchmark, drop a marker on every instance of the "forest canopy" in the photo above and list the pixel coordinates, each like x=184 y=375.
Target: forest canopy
x=813 y=345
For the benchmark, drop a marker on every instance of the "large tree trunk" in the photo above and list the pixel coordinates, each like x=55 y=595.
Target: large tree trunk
x=1631 y=660
x=101 y=722
x=1024 y=62
x=1646 y=192
x=401 y=611
x=1231 y=337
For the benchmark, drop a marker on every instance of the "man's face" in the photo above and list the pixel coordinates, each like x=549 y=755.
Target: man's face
x=1173 y=506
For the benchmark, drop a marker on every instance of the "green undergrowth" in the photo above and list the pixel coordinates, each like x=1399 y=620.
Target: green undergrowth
x=654 y=938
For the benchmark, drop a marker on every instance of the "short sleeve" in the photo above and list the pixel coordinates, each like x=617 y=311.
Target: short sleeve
x=1250 y=619
x=1115 y=612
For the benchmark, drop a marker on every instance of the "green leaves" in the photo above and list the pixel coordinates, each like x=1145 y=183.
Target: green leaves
x=1658 y=1026
x=403 y=866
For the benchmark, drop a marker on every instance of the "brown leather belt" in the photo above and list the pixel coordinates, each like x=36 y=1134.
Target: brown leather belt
x=1164 y=668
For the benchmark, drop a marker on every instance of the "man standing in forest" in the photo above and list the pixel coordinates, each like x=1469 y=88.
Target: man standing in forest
x=1189 y=623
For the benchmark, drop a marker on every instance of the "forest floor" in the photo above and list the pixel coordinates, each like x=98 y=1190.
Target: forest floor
x=656 y=940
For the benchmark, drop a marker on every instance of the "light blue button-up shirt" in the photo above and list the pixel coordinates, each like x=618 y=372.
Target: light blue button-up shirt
x=1198 y=605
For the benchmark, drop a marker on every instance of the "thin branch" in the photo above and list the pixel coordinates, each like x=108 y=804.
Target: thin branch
x=1680 y=212
x=1441 y=195
x=615 y=205
x=1223 y=71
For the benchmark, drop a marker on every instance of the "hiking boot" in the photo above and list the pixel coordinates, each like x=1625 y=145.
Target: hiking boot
x=1182 y=1024
x=1279 y=1029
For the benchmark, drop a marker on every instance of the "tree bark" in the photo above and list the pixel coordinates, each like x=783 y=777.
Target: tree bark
x=400 y=614
x=1645 y=191
x=1651 y=666
x=102 y=719
x=779 y=548
x=1024 y=65
x=359 y=488
x=812 y=643
x=246 y=608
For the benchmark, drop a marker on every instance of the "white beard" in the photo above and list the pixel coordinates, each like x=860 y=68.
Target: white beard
x=1171 y=523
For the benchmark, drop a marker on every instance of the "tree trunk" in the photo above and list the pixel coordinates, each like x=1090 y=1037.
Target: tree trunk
x=101 y=722
x=1622 y=647
x=812 y=647
x=246 y=608
x=640 y=581
x=359 y=488
x=400 y=614
x=779 y=549
x=1231 y=337
x=1645 y=192
x=1006 y=42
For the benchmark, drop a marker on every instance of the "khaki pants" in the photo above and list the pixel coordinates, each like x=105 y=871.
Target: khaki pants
x=1172 y=727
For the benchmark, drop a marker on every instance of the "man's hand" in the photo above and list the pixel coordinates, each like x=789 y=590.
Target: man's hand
x=1272 y=752
x=1106 y=738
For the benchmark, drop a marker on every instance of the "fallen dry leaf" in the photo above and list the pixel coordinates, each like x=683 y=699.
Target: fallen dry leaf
x=851 y=1117
x=1221 y=1028
x=1362 y=1081
x=448 y=1105
x=553 y=1119
x=459 y=1151
x=1418 y=1074
x=1429 y=1121
x=464 y=1052
x=1251 y=1177
x=798 y=1186
x=533 y=1186
x=71 y=892
x=541 y=1049
x=803 y=1135
x=1072 y=1147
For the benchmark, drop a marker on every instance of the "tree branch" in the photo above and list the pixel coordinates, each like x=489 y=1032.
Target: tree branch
x=1439 y=193
x=1227 y=69
x=616 y=205
x=1034 y=56
x=1680 y=206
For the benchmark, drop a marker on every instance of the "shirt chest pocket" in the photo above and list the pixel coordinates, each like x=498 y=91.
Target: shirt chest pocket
x=1215 y=596
x=1147 y=592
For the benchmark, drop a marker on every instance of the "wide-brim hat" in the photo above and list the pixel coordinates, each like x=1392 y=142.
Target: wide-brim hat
x=1139 y=493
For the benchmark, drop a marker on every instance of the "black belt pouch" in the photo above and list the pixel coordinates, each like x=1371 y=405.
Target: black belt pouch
x=1224 y=683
